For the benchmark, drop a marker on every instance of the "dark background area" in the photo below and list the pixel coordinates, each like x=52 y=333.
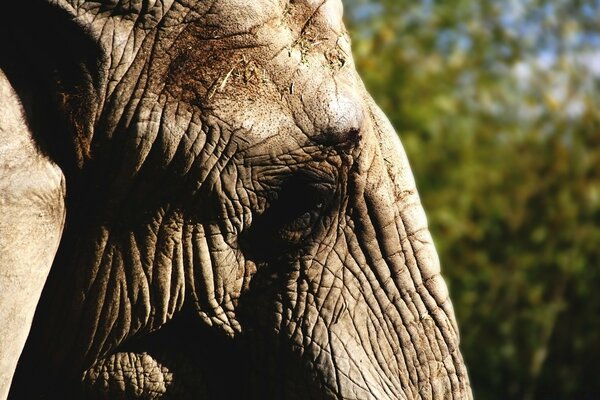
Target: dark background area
x=497 y=105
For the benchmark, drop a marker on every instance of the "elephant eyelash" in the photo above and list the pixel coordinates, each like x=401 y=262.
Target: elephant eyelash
x=299 y=203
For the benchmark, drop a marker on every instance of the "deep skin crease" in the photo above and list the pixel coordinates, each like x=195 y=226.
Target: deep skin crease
x=241 y=218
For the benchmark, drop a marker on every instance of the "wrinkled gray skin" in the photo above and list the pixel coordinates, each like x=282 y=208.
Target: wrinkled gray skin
x=241 y=218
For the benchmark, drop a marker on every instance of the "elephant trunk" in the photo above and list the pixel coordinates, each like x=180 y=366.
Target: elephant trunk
x=406 y=331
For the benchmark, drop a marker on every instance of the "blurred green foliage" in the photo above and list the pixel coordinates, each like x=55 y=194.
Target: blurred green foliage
x=498 y=106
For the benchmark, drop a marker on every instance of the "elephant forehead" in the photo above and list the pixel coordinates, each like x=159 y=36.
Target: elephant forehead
x=270 y=80
x=236 y=15
x=233 y=16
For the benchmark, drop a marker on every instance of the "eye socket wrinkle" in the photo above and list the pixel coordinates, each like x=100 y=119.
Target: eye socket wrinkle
x=343 y=140
x=298 y=204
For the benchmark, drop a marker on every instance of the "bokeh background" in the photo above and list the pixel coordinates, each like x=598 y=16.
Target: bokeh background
x=497 y=104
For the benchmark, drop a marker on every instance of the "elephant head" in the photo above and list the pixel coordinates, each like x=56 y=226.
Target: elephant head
x=241 y=219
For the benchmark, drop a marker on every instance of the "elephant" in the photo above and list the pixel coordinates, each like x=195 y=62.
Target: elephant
x=201 y=200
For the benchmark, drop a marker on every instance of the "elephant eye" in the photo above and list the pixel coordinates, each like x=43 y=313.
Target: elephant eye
x=299 y=205
x=294 y=212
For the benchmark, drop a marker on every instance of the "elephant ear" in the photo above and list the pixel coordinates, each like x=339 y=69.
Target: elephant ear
x=45 y=104
x=32 y=214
